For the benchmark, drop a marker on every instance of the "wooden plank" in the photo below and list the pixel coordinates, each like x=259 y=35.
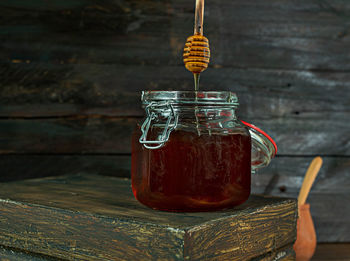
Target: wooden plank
x=283 y=254
x=329 y=196
x=286 y=18
x=246 y=52
x=41 y=90
x=8 y=254
x=19 y=167
x=92 y=190
x=77 y=236
x=67 y=135
x=219 y=245
x=303 y=35
x=301 y=135
x=148 y=7
x=329 y=252
x=83 y=216
x=285 y=175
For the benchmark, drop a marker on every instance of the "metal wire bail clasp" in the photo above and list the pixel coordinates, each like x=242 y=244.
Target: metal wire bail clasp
x=167 y=110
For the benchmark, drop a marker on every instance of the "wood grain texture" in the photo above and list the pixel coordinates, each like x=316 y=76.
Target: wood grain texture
x=273 y=34
x=303 y=118
x=252 y=235
x=329 y=195
x=283 y=254
x=72 y=72
x=283 y=59
x=67 y=135
x=82 y=237
x=17 y=167
x=328 y=198
x=10 y=254
x=101 y=134
x=58 y=194
x=79 y=217
x=42 y=90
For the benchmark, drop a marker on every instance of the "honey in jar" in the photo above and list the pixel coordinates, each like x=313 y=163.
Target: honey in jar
x=191 y=153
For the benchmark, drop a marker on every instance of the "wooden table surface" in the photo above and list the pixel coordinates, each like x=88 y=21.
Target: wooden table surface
x=91 y=217
x=333 y=251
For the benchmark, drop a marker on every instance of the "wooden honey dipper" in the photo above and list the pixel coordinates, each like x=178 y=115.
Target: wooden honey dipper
x=196 y=53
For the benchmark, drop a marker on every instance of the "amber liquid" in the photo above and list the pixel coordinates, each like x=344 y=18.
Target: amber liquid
x=196 y=77
x=192 y=173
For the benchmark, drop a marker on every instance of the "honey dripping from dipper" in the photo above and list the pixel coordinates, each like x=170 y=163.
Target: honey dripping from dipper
x=196 y=53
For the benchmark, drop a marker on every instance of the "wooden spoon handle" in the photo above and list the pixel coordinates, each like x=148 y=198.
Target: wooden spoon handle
x=199 y=17
x=309 y=179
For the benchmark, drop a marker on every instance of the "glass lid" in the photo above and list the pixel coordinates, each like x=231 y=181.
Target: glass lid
x=191 y=97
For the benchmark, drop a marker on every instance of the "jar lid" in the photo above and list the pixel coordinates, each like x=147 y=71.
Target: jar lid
x=191 y=97
x=264 y=147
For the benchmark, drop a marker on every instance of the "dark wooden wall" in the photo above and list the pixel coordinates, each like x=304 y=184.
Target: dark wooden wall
x=72 y=71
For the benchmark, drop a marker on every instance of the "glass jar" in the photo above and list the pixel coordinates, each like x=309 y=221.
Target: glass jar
x=191 y=153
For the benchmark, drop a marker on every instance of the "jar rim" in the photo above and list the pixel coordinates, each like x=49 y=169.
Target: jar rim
x=191 y=97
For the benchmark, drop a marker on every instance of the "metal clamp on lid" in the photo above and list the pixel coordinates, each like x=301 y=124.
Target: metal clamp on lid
x=153 y=110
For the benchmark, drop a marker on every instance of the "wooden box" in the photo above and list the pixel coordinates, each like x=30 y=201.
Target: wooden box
x=87 y=217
